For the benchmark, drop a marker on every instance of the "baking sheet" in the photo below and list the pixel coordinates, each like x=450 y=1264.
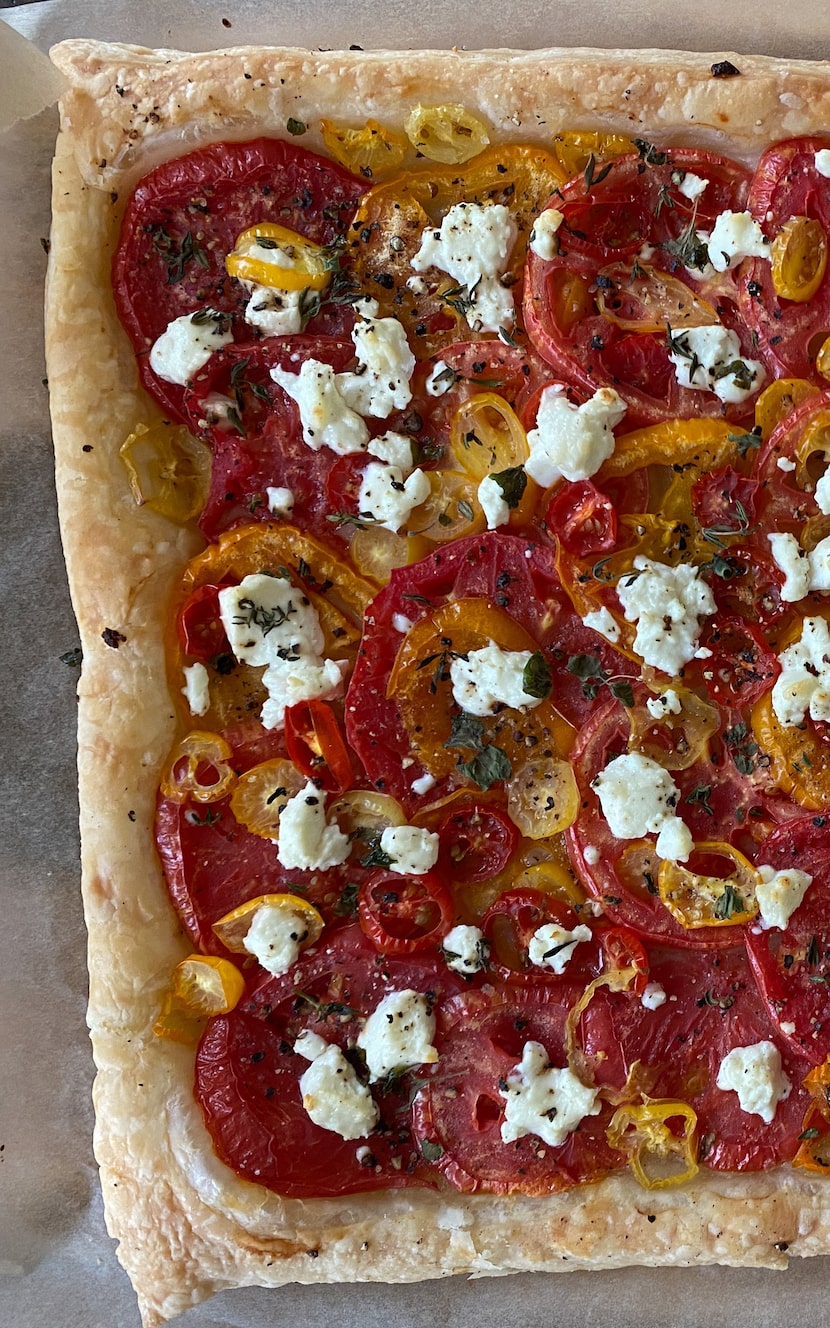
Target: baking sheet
x=57 y=1265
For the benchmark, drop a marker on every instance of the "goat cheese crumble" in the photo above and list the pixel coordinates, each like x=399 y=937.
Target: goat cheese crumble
x=465 y=949
x=638 y=797
x=186 y=345
x=490 y=678
x=779 y=894
x=803 y=685
x=543 y=1100
x=306 y=839
x=333 y=1096
x=667 y=604
x=473 y=245
x=398 y=1034
x=552 y=946
x=756 y=1075
x=572 y=441
x=413 y=850
x=710 y=359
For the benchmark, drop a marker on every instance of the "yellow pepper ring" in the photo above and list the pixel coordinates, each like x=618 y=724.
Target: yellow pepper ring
x=698 y=900
x=198 y=768
x=309 y=266
x=643 y=1133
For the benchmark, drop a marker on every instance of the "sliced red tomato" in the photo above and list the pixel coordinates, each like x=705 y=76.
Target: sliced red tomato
x=315 y=744
x=185 y=217
x=512 y=921
x=711 y=1007
x=477 y=842
x=572 y=300
x=792 y=967
x=201 y=631
x=460 y=1110
x=741 y=666
x=401 y=914
x=622 y=949
x=725 y=799
x=787 y=184
x=583 y=519
x=263 y=447
x=515 y=573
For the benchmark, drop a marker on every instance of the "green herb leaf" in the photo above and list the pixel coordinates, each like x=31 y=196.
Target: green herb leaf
x=512 y=483
x=430 y=1151
x=346 y=905
x=621 y=690
x=649 y=153
x=72 y=658
x=466 y=731
x=536 y=676
x=699 y=797
x=295 y=127
x=487 y=767
x=729 y=903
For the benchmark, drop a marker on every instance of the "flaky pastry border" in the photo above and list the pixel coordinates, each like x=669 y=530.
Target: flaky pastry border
x=187 y=1226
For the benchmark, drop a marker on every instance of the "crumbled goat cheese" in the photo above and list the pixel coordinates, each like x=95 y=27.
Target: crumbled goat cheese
x=381 y=383
x=592 y=855
x=401 y=623
x=803 y=684
x=473 y=247
x=465 y=949
x=306 y=840
x=779 y=894
x=653 y=996
x=756 y=1075
x=822 y=493
x=692 y=186
x=275 y=937
x=667 y=703
x=186 y=345
x=638 y=797
x=572 y=441
x=544 y=241
x=493 y=505
x=423 y=784
x=196 y=690
x=544 y=1101
x=552 y=946
x=280 y=501
x=822 y=160
x=803 y=571
x=667 y=604
x=785 y=464
x=333 y=1096
x=387 y=498
x=603 y=622
x=441 y=378
x=413 y=851
x=393 y=448
x=325 y=418
x=277 y=313
x=268 y=621
x=734 y=237
x=490 y=678
x=398 y=1034
x=710 y=359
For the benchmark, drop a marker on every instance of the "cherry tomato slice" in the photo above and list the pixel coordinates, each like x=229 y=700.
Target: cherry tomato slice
x=583 y=519
x=622 y=948
x=200 y=628
x=477 y=842
x=510 y=924
x=316 y=745
x=401 y=914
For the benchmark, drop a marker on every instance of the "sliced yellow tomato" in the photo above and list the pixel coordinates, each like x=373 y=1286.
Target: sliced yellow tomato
x=799 y=259
x=674 y=741
x=366 y=810
x=272 y=255
x=823 y=358
x=372 y=151
x=487 y=436
x=420 y=683
x=552 y=878
x=392 y=217
x=778 y=399
x=201 y=986
x=648 y=1134
x=643 y=299
x=814 y=1150
x=168 y=469
x=799 y=758
x=812 y=453
x=697 y=899
x=338 y=594
x=234 y=926
x=543 y=798
x=451 y=511
x=260 y=794
x=376 y=552
x=198 y=768
x=450 y=134
x=574 y=150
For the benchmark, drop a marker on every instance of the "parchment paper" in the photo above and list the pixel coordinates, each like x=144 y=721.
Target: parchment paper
x=57 y=1265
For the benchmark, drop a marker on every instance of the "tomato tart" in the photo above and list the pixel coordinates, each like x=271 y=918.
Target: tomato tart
x=442 y=452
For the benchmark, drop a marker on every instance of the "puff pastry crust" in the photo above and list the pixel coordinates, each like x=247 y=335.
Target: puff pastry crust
x=187 y=1226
